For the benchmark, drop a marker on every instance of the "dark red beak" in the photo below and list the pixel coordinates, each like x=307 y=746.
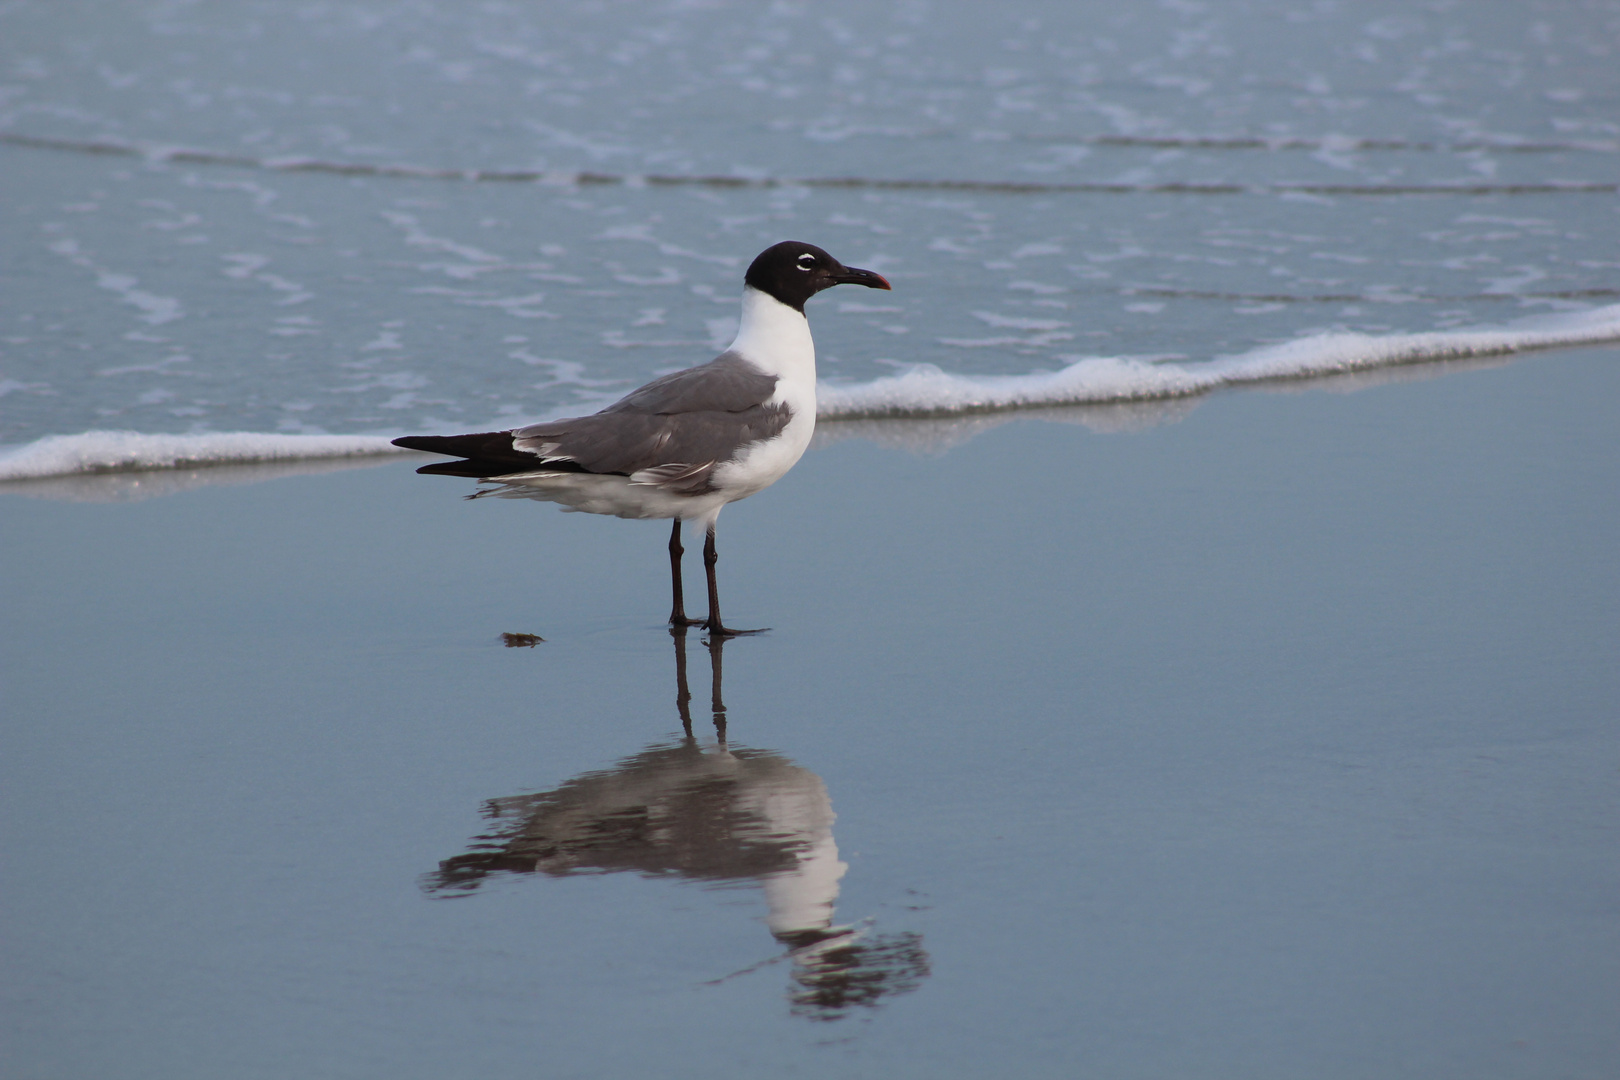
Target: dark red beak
x=855 y=276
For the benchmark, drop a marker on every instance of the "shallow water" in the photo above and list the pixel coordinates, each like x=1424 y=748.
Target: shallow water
x=1277 y=741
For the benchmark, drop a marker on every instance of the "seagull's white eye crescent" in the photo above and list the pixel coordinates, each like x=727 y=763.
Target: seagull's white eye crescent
x=806 y=261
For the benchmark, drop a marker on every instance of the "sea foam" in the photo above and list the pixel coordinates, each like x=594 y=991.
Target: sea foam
x=925 y=390
x=921 y=391
x=130 y=451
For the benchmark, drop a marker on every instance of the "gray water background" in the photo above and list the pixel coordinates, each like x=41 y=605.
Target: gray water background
x=1155 y=180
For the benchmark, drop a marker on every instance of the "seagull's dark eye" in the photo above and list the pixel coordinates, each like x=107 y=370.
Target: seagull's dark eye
x=806 y=261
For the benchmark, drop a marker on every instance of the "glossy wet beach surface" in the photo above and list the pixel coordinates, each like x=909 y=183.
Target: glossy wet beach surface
x=1277 y=740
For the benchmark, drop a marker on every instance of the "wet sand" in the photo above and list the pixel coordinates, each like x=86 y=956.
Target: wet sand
x=1270 y=736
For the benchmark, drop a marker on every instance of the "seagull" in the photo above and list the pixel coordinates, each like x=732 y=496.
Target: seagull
x=686 y=444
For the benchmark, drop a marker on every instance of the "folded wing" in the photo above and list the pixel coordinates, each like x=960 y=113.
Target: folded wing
x=671 y=433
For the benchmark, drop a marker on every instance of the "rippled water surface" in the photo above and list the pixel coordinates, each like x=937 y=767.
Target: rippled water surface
x=393 y=216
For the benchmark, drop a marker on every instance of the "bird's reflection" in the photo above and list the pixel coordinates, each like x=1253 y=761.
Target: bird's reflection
x=717 y=814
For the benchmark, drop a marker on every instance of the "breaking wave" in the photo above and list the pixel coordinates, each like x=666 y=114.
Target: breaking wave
x=920 y=392
x=93 y=452
x=925 y=390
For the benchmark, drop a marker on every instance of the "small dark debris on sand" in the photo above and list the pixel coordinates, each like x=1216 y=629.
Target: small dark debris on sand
x=521 y=641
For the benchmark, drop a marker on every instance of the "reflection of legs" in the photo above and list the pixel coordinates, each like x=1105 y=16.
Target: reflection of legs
x=713 y=625
x=716 y=644
x=683 y=696
x=677 y=613
x=683 y=693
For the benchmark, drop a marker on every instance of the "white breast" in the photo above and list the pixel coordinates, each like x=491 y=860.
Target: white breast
x=776 y=339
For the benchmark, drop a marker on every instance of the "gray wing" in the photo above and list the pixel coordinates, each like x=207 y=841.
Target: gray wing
x=728 y=383
x=671 y=432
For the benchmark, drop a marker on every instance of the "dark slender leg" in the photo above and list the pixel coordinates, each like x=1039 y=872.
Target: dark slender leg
x=677 y=614
x=683 y=696
x=713 y=625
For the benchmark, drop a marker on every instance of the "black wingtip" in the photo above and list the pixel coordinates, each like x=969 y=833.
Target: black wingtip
x=477 y=470
x=491 y=452
x=440 y=444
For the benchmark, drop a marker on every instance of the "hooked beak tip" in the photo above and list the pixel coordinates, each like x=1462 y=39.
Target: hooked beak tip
x=870 y=279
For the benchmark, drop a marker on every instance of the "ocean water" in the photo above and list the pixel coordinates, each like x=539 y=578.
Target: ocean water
x=367 y=219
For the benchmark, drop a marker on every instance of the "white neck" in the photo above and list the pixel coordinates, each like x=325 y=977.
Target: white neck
x=775 y=337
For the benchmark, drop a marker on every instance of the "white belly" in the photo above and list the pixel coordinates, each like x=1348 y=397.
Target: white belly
x=619 y=496
x=764 y=463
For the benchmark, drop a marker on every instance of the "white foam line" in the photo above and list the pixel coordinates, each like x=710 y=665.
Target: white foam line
x=925 y=390
x=130 y=451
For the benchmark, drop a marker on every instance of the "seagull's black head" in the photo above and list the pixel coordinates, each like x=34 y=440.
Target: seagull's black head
x=794 y=272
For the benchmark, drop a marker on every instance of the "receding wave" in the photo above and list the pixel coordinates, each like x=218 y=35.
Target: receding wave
x=922 y=391
x=101 y=452
x=925 y=390
x=571 y=178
